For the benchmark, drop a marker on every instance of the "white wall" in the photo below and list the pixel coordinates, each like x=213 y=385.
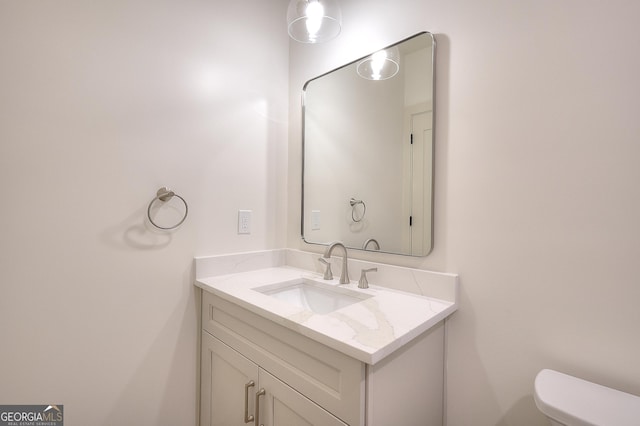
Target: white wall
x=102 y=103
x=537 y=199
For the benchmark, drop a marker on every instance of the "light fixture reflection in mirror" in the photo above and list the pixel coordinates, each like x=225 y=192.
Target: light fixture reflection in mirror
x=314 y=21
x=382 y=65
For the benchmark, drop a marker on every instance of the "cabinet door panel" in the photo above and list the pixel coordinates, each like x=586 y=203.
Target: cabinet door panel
x=284 y=406
x=224 y=375
x=330 y=378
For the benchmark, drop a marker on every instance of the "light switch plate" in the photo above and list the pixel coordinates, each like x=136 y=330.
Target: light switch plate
x=315 y=220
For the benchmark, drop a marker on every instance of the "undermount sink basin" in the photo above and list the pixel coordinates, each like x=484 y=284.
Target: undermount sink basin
x=313 y=296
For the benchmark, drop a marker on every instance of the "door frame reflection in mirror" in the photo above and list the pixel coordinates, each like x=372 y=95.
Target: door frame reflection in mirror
x=340 y=112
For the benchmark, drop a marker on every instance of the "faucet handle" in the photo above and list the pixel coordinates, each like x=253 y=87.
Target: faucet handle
x=328 y=275
x=363 y=282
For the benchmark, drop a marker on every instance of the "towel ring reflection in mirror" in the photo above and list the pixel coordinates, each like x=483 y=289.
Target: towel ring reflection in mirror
x=164 y=194
x=354 y=203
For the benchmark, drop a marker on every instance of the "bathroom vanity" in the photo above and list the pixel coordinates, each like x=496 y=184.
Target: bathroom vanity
x=282 y=346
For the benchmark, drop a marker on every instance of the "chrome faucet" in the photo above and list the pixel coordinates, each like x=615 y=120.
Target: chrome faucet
x=328 y=275
x=372 y=241
x=344 y=276
x=364 y=282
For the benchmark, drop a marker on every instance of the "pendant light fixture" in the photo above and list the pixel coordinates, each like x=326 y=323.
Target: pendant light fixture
x=381 y=65
x=314 y=21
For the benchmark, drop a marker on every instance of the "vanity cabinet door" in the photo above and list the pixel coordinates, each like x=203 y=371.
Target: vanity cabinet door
x=225 y=374
x=330 y=378
x=227 y=396
x=284 y=406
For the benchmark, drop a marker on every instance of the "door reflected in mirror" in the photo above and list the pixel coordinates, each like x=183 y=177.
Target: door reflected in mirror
x=368 y=151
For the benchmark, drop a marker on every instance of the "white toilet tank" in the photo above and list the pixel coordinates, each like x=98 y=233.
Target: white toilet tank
x=567 y=400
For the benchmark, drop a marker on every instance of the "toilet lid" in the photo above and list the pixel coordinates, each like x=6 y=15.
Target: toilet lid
x=575 y=401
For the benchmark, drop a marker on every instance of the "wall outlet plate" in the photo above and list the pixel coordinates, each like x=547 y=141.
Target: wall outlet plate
x=244 y=221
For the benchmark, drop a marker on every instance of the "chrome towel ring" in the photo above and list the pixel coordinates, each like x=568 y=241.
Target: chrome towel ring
x=353 y=203
x=164 y=194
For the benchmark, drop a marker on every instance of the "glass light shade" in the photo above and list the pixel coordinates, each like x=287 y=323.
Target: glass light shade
x=382 y=65
x=313 y=21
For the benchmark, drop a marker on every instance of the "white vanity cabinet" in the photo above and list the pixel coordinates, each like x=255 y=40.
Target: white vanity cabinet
x=306 y=382
x=233 y=386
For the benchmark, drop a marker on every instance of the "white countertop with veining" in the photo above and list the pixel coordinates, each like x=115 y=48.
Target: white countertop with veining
x=368 y=330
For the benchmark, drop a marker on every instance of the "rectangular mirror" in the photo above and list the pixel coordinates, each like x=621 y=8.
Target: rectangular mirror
x=368 y=151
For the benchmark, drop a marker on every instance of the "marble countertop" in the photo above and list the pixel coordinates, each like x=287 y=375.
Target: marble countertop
x=368 y=330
